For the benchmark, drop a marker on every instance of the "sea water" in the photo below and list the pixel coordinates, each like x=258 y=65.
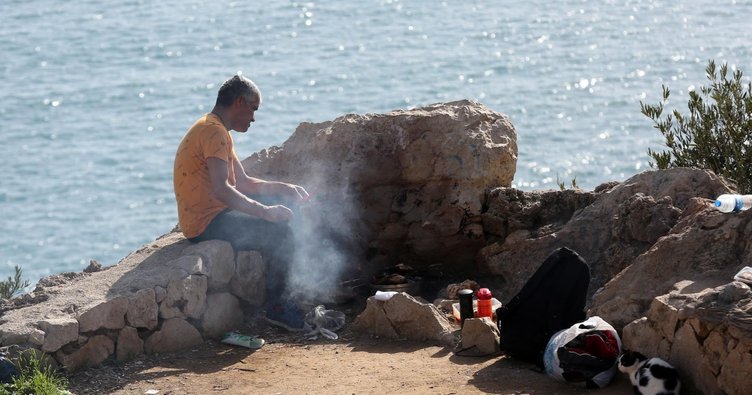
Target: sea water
x=97 y=95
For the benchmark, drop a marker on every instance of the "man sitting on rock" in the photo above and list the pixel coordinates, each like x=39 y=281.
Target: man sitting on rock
x=217 y=200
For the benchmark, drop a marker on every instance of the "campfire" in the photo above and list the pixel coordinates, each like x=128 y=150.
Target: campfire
x=400 y=278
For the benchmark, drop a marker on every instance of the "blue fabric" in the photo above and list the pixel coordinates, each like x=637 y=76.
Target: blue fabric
x=287 y=315
x=7 y=370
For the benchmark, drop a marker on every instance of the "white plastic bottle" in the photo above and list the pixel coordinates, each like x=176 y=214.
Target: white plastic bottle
x=728 y=203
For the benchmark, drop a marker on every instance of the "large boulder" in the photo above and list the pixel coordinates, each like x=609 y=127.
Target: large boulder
x=706 y=333
x=403 y=316
x=609 y=227
x=408 y=184
x=705 y=246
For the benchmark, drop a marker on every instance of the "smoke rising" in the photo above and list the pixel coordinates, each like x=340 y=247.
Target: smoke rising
x=324 y=238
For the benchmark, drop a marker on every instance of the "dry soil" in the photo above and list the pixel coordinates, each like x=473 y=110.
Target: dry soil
x=353 y=364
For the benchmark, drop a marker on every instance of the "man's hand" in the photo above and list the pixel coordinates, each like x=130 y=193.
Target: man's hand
x=300 y=192
x=278 y=213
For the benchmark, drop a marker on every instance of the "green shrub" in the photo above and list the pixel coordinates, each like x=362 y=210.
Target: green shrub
x=715 y=135
x=36 y=377
x=563 y=186
x=10 y=287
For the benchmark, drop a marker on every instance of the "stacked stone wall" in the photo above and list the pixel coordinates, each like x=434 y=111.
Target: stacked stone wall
x=704 y=333
x=152 y=306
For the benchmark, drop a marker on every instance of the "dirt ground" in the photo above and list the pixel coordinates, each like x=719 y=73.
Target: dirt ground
x=353 y=364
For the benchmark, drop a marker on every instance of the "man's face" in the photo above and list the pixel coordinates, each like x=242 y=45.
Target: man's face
x=246 y=113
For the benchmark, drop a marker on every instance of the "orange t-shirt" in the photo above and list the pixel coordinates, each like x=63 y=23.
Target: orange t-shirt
x=197 y=205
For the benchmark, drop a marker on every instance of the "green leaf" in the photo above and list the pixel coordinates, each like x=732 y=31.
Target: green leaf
x=716 y=134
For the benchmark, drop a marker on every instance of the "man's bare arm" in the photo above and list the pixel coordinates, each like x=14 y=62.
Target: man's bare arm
x=252 y=186
x=236 y=200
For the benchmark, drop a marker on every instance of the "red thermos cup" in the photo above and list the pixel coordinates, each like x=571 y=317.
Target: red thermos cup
x=485 y=308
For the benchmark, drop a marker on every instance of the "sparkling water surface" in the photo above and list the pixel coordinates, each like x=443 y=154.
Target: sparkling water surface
x=97 y=95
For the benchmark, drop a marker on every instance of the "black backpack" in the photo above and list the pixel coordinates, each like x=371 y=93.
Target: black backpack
x=552 y=299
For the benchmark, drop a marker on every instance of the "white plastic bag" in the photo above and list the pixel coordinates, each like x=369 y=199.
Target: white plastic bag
x=324 y=322
x=744 y=275
x=584 y=365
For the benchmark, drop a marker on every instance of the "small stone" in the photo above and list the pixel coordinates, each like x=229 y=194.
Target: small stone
x=94 y=266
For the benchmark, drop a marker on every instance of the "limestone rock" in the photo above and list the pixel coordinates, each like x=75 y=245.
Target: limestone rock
x=17 y=333
x=58 y=332
x=248 y=283
x=665 y=315
x=143 y=310
x=94 y=266
x=157 y=263
x=640 y=335
x=94 y=352
x=540 y=212
x=706 y=333
x=189 y=264
x=734 y=377
x=186 y=297
x=452 y=289
x=703 y=247
x=482 y=333
x=222 y=314
x=612 y=229
x=129 y=344
x=36 y=338
x=219 y=258
x=102 y=300
x=373 y=320
x=159 y=294
x=686 y=356
x=403 y=316
x=715 y=351
x=422 y=172
x=176 y=334
x=107 y=315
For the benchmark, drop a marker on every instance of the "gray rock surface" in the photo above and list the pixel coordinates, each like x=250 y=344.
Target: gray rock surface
x=143 y=311
x=83 y=319
x=403 y=316
x=482 y=333
x=176 y=334
x=609 y=227
x=129 y=344
x=91 y=353
x=107 y=315
x=219 y=258
x=706 y=333
x=705 y=246
x=408 y=183
x=250 y=271
x=222 y=314
x=58 y=332
x=185 y=298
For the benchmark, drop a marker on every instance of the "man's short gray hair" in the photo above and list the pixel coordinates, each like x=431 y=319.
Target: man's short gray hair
x=235 y=87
